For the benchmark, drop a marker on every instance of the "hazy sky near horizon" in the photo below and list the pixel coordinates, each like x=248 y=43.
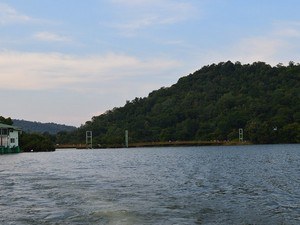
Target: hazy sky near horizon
x=69 y=60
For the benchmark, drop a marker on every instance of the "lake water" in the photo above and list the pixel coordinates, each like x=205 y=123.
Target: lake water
x=184 y=185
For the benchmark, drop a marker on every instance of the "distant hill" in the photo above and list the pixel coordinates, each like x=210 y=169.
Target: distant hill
x=210 y=104
x=37 y=127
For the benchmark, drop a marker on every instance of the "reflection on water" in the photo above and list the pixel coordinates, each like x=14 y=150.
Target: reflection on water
x=196 y=185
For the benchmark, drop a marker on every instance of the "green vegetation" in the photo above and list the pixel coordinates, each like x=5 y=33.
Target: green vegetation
x=210 y=104
x=31 y=141
x=36 y=142
x=7 y=121
x=37 y=127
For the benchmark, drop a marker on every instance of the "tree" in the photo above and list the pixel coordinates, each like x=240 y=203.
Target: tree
x=210 y=104
x=7 y=121
x=36 y=143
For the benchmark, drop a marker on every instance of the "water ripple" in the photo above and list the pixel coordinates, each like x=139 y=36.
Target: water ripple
x=197 y=185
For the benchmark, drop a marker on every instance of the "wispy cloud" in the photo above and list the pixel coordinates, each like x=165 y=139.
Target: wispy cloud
x=9 y=15
x=279 y=44
x=133 y=2
x=78 y=85
x=37 y=71
x=285 y=29
x=258 y=49
x=146 y=14
x=51 y=37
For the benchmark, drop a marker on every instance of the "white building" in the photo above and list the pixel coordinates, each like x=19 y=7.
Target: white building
x=9 y=136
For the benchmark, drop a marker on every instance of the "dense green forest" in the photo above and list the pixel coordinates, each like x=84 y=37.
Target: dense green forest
x=37 y=127
x=36 y=142
x=7 y=121
x=210 y=104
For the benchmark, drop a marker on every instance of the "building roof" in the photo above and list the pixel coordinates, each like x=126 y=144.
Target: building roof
x=2 y=125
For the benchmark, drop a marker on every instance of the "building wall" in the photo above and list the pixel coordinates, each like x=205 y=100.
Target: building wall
x=9 y=136
x=3 y=141
x=13 y=140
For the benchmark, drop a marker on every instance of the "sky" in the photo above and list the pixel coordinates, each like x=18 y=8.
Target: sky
x=69 y=60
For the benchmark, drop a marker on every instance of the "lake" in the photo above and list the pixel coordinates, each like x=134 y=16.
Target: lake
x=257 y=184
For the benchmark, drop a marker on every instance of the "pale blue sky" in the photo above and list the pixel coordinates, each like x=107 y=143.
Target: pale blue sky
x=68 y=60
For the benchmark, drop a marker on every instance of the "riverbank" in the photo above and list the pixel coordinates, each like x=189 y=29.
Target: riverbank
x=7 y=150
x=187 y=143
x=158 y=144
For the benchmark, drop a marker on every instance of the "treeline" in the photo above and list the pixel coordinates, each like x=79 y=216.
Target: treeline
x=38 y=127
x=37 y=142
x=7 y=121
x=210 y=104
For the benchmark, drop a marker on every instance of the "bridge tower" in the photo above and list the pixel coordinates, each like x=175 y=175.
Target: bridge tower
x=241 y=135
x=89 y=139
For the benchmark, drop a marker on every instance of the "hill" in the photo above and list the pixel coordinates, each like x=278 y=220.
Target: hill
x=210 y=104
x=37 y=127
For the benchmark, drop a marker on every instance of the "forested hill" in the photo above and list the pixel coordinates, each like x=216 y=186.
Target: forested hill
x=37 y=127
x=210 y=104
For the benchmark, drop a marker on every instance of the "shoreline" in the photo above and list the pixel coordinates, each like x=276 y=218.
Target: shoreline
x=158 y=144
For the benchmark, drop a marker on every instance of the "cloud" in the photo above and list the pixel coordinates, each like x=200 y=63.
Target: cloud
x=137 y=15
x=289 y=32
x=9 y=15
x=67 y=88
x=285 y=29
x=40 y=71
x=249 y=50
x=51 y=37
x=278 y=44
x=258 y=49
x=133 y=2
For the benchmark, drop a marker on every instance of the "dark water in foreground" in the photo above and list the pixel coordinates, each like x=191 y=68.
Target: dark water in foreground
x=196 y=185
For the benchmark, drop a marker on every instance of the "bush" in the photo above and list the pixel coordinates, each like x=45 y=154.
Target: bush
x=36 y=143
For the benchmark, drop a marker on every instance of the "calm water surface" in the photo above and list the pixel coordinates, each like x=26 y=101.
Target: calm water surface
x=194 y=185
